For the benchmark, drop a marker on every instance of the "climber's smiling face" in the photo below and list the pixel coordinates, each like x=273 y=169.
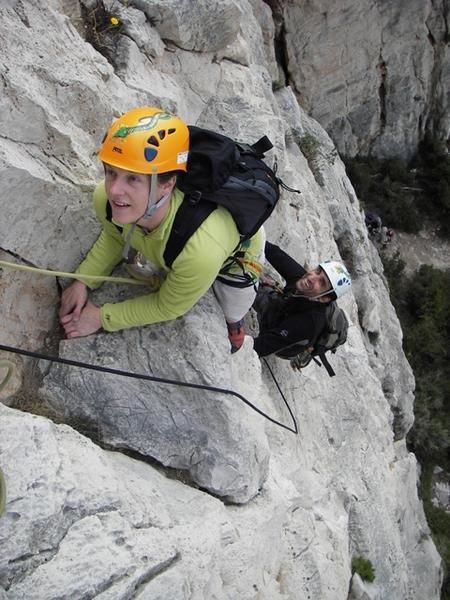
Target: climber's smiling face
x=127 y=192
x=313 y=283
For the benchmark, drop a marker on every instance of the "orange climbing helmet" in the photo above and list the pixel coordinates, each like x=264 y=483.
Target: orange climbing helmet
x=146 y=140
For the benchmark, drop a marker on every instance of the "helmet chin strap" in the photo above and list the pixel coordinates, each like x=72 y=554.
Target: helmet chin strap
x=152 y=206
x=298 y=295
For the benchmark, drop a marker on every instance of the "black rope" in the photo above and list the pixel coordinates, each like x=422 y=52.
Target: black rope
x=75 y=363
x=295 y=430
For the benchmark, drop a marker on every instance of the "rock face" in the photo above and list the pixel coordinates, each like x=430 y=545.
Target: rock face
x=211 y=435
x=86 y=523
x=374 y=74
x=217 y=502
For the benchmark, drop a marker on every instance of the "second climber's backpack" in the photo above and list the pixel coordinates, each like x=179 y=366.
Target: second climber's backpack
x=332 y=336
x=222 y=172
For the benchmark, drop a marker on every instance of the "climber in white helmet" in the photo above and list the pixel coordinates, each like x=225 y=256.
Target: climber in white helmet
x=292 y=317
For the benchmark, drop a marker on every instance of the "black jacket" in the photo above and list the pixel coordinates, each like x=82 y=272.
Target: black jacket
x=287 y=324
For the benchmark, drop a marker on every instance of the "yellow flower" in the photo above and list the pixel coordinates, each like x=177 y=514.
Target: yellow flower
x=114 y=21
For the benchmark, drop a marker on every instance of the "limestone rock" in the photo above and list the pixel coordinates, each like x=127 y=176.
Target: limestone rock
x=212 y=436
x=22 y=293
x=375 y=75
x=193 y=26
x=359 y=590
x=81 y=521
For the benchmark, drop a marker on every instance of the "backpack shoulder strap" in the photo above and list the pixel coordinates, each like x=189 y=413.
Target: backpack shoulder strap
x=336 y=324
x=326 y=324
x=190 y=215
x=325 y=363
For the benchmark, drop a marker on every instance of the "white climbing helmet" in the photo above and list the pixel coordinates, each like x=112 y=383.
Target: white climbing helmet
x=338 y=275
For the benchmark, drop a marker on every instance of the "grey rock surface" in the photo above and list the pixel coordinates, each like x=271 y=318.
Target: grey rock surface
x=211 y=435
x=81 y=522
x=301 y=506
x=374 y=74
x=24 y=293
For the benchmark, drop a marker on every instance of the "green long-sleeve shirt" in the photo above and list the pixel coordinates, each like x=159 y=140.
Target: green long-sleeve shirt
x=191 y=275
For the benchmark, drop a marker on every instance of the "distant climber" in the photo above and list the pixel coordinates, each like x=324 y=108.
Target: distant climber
x=373 y=224
x=142 y=153
x=292 y=317
x=380 y=234
x=385 y=236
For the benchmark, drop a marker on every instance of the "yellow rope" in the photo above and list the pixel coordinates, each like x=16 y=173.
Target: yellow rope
x=6 y=364
x=2 y=492
x=4 y=263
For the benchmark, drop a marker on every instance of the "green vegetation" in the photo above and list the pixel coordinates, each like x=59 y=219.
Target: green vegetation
x=364 y=568
x=101 y=29
x=309 y=146
x=432 y=166
x=278 y=85
x=439 y=522
x=404 y=193
x=422 y=301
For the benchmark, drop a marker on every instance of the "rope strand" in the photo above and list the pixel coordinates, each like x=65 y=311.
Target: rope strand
x=6 y=364
x=79 y=276
x=132 y=375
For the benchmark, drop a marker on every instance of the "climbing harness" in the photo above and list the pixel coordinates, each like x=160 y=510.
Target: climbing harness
x=129 y=374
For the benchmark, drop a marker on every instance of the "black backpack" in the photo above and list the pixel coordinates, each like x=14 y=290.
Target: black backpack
x=331 y=337
x=223 y=172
